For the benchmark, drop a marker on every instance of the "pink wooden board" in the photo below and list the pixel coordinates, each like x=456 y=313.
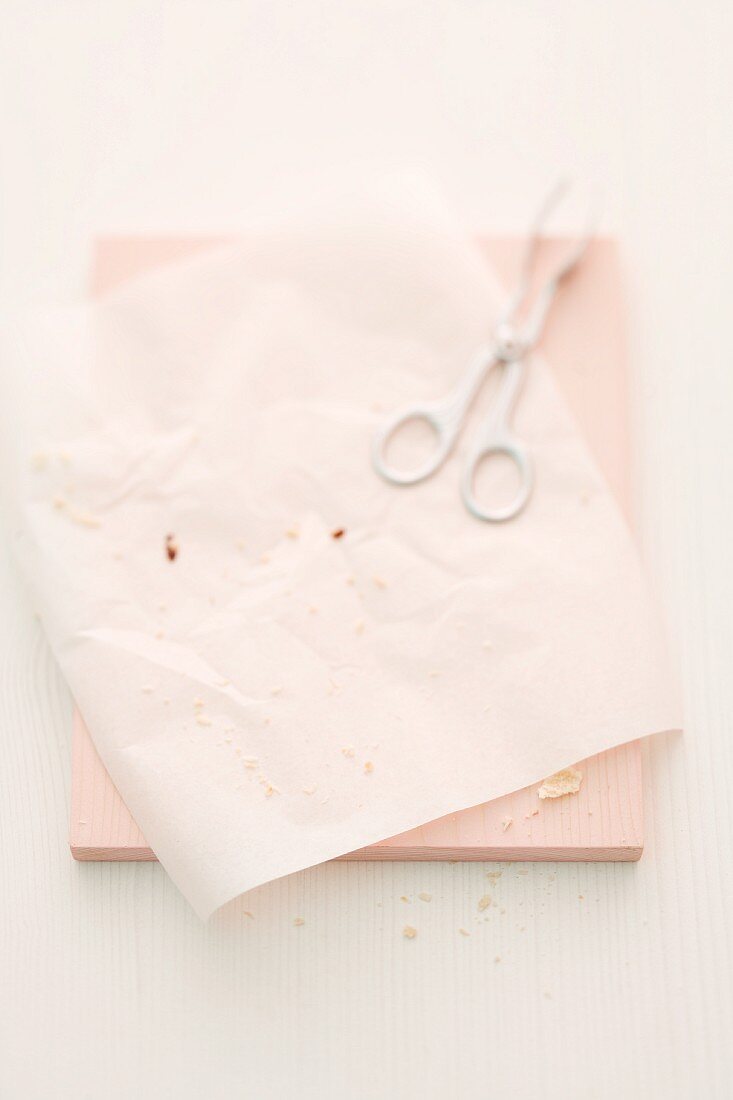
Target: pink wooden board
x=585 y=345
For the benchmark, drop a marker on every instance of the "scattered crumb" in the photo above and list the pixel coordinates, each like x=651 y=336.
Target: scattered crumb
x=198 y=703
x=409 y=932
x=347 y=750
x=584 y=497
x=359 y=626
x=338 y=533
x=563 y=782
x=464 y=932
x=333 y=687
x=522 y=871
x=159 y=634
x=532 y=813
x=425 y=897
x=271 y=789
x=167 y=701
x=162 y=607
x=493 y=876
x=497 y=958
x=248 y=914
x=147 y=688
x=487 y=645
x=264 y=558
x=505 y=823
x=59 y=502
x=292 y=533
x=404 y=897
x=276 y=691
x=171 y=547
x=380 y=582
x=39 y=460
x=484 y=902
x=312 y=609
x=84 y=519
x=299 y=922
x=203 y=720
x=223 y=682
x=250 y=761
x=433 y=674
x=308 y=790
x=368 y=767
x=240 y=544
x=350 y=580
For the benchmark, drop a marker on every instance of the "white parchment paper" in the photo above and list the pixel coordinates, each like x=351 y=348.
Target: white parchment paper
x=275 y=696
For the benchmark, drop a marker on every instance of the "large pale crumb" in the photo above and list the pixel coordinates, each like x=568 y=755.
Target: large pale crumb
x=84 y=519
x=464 y=932
x=425 y=897
x=566 y=781
x=484 y=902
x=203 y=719
x=299 y=922
x=404 y=897
x=505 y=823
x=369 y=767
x=409 y=932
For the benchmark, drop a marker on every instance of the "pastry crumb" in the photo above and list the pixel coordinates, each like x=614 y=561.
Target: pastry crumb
x=425 y=897
x=409 y=932
x=464 y=931
x=171 y=547
x=359 y=626
x=380 y=582
x=203 y=719
x=347 y=750
x=39 y=460
x=338 y=533
x=563 y=782
x=484 y=902
x=292 y=533
x=368 y=767
x=299 y=922
x=506 y=822
x=308 y=790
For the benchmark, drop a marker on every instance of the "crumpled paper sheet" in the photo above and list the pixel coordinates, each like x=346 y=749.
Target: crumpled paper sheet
x=275 y=696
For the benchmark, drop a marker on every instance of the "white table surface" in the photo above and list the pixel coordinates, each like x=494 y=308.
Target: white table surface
x=599 y=982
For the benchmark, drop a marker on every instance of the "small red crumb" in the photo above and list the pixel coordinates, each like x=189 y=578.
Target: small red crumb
x=338 y=533
x=171 y=547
